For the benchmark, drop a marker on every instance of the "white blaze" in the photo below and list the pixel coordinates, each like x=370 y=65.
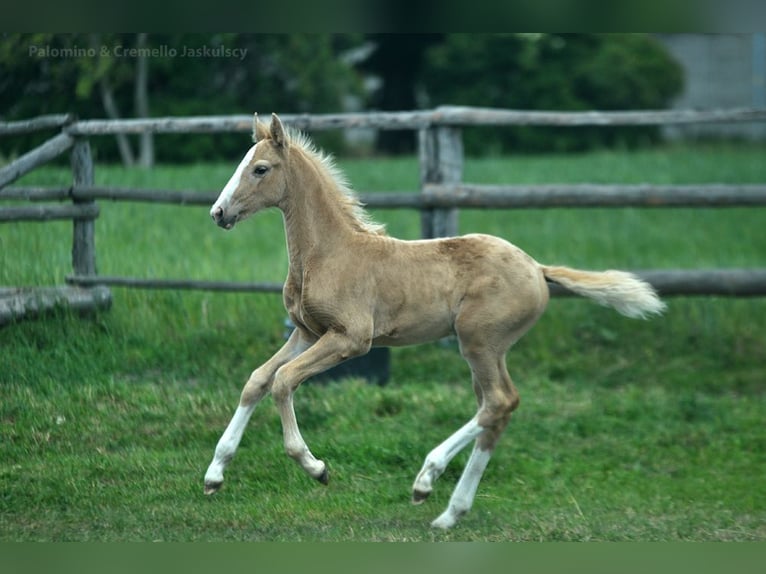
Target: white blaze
x=233 y=182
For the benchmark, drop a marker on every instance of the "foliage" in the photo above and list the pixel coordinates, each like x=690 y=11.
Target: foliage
x=398 y=60
x=295 y=73
x=552 y=72
x=315 y=73
x=58 y=73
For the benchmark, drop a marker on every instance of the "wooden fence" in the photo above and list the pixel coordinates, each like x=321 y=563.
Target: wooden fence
x=442 y=190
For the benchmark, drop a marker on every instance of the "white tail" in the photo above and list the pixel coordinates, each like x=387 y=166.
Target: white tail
x=624 y=292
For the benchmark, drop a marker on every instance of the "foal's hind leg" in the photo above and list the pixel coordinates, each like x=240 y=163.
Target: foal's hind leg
x=485 y=334
x=438 y=459
x=498 y=398
x=255 y=389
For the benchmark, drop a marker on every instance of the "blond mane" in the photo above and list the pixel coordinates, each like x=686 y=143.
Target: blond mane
x=348 y=200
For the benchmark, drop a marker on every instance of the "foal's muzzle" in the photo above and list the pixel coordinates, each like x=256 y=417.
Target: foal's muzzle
x=220 y=219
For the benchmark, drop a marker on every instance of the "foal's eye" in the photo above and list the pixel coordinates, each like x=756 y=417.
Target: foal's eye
x=260 y=169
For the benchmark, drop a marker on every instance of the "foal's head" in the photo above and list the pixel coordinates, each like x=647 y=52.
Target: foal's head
x=259 y=180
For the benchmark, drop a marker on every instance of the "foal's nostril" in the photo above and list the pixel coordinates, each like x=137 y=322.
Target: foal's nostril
x=217 y=213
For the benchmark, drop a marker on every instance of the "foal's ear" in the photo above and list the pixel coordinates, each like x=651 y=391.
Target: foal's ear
x=259 y=130
x=277 y=131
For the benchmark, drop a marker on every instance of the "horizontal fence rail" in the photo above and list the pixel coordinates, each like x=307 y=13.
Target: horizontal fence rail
x=414 y=120
x=725 y=282
x=36 y=193
x=456 y=195
x=185 y=284
x=385 y=199
x=591 y=195
x=50 y=212
x=244 y=123
x=31 y=302
x=721 y=282
x=668 y=282
x=35 y=124
x=470 y=116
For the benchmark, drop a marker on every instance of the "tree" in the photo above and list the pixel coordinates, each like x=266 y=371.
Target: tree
x=141 y=97
x=397 y=59
x=75 y=73
x=183 y=74
x=101 y=68
x=283 y=73
x=556 y=72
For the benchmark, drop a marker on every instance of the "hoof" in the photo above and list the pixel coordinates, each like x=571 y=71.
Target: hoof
x=324 y=478
x=419 y=496
x=212 y=487
x=443 y=523
x=447 y=519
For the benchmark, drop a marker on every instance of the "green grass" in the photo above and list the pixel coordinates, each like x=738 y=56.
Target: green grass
x=627 y=430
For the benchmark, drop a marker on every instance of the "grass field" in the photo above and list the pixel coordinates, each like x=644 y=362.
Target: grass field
x=627 y=430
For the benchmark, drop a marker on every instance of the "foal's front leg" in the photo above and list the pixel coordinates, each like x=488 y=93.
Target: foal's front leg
x=255 y=389
x=328 y=351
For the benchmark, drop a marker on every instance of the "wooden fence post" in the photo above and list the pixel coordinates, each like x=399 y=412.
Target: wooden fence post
x=440 y=151
x=84 y=229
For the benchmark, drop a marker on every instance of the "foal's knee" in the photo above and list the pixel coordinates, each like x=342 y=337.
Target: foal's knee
x=286 y=380
x=255 y=388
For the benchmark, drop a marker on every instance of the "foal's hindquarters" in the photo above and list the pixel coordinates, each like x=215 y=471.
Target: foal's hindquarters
x=504 y=293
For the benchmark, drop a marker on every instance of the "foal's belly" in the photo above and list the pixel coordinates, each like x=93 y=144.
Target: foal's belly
x=428 y=322
x=412 y=337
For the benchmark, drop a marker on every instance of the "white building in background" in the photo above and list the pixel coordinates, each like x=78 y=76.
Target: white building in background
x=721 y=71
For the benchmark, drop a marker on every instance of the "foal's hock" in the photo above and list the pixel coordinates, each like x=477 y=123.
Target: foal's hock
x=350 y=286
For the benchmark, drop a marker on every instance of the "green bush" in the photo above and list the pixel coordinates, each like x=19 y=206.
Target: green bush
x=552 y=72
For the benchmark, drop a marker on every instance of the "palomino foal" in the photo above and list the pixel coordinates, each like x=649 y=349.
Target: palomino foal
x=350 y=287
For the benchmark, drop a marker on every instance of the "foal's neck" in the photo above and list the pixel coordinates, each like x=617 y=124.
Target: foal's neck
x=315 y=224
